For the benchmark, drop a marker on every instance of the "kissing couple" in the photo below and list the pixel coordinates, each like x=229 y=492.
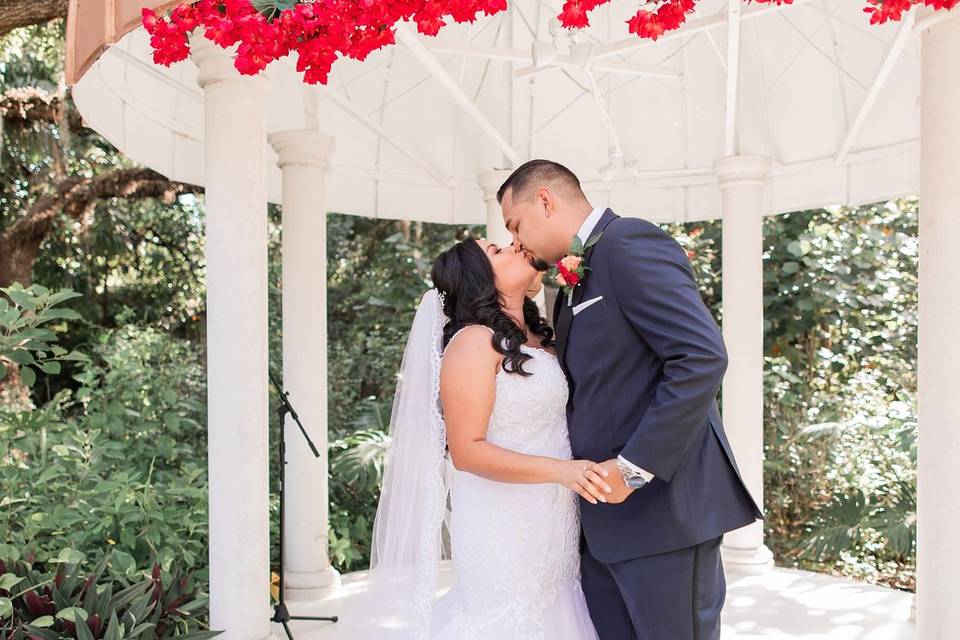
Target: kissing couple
x=577 y=476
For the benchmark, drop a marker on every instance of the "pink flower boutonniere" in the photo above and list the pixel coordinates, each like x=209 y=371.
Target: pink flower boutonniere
x=570 y=270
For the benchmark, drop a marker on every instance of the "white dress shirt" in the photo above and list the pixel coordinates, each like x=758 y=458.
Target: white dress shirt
x=589 y=223
x=584 y=234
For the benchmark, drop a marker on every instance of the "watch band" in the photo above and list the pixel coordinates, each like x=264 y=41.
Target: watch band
x=631 y=478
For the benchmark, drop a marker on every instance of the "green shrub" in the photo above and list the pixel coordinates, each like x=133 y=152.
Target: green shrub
x=119 y=463
x=111 y=602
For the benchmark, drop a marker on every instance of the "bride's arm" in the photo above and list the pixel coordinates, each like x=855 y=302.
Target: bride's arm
x=467 y=392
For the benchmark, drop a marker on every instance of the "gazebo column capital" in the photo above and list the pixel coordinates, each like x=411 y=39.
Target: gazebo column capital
x=302 y=146
x=742 y=170
x=215 y=64
x=490 y=182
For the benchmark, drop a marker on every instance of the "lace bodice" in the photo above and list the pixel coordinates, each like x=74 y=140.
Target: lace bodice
x=529 y=414
x=515 y=546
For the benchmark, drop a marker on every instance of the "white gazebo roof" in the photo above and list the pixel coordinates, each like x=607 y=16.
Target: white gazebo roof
x=830 y=99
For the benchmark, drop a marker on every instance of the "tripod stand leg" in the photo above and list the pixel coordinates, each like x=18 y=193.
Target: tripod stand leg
x=281 y=613
x=327 y=618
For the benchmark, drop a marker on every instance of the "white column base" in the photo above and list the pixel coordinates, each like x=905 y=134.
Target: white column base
x=750 y=562
x=315 y=585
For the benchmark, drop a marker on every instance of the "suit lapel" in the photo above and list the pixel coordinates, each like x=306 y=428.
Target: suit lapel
x=565 y=317
x=563 y=327
x=557 y=306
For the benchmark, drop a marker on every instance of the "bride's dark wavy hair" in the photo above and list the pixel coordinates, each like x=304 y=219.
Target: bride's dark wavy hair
x=464 y=275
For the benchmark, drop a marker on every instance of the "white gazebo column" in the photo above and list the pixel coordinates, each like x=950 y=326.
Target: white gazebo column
x=938 y=570
x=236 y=257
x=302 y=157
x=497 y=233
x=490 y=182
x=742 y=182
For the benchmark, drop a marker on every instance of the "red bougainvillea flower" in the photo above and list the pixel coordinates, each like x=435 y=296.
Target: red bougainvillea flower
x=574 y=14
x=880 y=12
x=668 y=16
x=883 y=10
x=321 y=31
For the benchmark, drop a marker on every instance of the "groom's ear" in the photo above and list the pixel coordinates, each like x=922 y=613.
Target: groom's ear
x=545 y=201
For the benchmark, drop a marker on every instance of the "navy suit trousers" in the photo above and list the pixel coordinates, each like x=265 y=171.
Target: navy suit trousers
x=677 y=595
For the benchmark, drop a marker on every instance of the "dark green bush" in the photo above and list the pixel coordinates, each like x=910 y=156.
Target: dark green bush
x=111 y=602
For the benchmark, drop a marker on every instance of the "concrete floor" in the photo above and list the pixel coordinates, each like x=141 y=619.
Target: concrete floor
x=782 y=604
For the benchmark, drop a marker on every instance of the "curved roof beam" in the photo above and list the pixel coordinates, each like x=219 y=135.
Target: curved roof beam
x=691 y=27
x=411 y=41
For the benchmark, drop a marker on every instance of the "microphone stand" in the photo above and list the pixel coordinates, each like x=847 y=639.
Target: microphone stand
x=280 y=612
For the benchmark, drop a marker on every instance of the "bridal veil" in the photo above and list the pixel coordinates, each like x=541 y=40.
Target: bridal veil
x=407 y=540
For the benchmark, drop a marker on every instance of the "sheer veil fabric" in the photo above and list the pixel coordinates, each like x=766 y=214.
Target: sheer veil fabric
x=407 y=532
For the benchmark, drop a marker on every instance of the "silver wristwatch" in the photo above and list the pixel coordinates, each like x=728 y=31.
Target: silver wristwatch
x=631 y=478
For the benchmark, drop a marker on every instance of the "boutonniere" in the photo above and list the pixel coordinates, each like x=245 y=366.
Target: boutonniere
x=570 y=270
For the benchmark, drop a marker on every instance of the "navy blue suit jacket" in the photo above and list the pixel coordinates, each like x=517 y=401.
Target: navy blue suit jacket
x=644 y=364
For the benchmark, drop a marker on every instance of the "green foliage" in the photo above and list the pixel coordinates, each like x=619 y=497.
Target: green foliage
x=840 y=320
x=840 y=305
x=113 y=601
x=356 y=471
x=32 y=56
x=143 y=257
x=119 y=462
x=377 y=271
x=136 y=262
x=26 y=337
x=272 y=8
x=357 y=460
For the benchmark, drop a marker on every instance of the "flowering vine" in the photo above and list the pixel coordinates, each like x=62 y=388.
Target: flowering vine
x=321 y=31
x=883 y=10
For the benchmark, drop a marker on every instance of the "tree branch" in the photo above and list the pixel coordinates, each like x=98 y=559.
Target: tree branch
x=23 y=13
x=75 y=196
x=24 y=106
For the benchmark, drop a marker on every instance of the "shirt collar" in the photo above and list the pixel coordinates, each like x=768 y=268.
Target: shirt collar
x=591 y=221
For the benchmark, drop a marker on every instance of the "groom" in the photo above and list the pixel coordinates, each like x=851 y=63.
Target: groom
x=644 y=360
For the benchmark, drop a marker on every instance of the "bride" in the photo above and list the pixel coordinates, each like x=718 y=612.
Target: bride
x=478 y=470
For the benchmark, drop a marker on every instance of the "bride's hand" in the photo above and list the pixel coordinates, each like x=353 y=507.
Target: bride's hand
x=584 y=477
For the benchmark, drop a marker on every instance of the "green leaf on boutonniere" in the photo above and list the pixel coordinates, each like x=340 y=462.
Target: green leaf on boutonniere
x=592 y=241
x=576 y=247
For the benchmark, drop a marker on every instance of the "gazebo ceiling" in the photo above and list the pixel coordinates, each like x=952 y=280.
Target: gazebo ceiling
x=830 y=99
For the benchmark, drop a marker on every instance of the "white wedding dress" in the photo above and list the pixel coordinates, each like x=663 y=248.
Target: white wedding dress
x=515 y=546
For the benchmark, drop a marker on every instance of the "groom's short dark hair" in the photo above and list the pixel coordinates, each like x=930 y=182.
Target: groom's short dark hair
x=534 y=173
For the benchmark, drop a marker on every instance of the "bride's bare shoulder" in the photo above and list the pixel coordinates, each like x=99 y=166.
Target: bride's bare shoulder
x=471 y=348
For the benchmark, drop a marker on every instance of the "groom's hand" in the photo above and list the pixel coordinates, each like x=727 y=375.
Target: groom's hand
x=615 y=479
